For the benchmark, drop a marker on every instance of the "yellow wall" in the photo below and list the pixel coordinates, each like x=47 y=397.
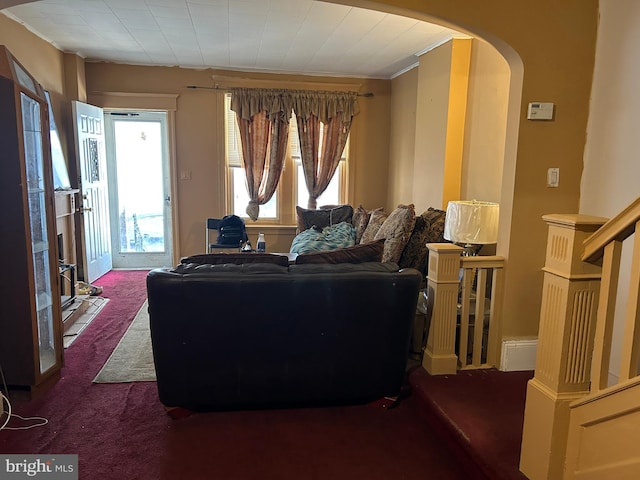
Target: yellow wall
x=456 y=116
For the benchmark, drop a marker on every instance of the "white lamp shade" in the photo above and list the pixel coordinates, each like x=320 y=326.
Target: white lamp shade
x=472 y=222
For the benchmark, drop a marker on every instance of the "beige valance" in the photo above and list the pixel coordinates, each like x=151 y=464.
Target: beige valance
x=325 y=105
x=246 y=102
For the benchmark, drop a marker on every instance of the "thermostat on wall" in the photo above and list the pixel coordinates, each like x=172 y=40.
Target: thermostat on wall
x=540 y=111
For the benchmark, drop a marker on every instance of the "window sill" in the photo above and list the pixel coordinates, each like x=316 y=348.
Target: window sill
x=270 y=228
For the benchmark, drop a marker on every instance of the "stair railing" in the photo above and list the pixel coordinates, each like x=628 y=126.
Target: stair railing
x=574 y=345
x=464 y=297
x=480 y=311
x=605 y=246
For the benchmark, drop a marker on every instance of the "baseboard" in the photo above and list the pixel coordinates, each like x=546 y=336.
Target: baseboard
x=518 y=355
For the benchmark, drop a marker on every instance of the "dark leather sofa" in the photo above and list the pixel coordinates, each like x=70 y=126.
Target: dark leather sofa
x=270 y=336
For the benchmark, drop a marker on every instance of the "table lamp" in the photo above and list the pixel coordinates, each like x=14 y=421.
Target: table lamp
x=471 y=224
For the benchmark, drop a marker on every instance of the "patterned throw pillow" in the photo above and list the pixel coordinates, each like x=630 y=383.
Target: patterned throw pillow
x=319 y=219
x=396 y=231
x=341 y=235
x=429 y=228
x=435 y=232
x=376 y=220
x=369 y=252
x=360 y=221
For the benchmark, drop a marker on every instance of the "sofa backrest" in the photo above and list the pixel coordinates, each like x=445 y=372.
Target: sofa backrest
x=230 y=336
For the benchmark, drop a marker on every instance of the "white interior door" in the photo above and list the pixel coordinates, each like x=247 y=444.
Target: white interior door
x=139 y=188
x=95 y=243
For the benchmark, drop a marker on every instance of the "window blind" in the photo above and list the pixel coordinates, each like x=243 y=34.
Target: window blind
x=233 y=146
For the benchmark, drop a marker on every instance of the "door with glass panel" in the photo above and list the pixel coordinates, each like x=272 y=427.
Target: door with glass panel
x=31 y=350
x=139 y=188
x=40 y=246
x=95 y=244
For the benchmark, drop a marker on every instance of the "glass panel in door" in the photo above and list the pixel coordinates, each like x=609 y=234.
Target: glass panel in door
x=138 y=165
x=34 y=165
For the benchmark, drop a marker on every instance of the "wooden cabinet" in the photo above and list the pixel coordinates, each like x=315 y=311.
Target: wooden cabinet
x=31 y=349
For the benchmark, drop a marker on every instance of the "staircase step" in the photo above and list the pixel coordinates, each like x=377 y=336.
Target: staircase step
x=479 y=413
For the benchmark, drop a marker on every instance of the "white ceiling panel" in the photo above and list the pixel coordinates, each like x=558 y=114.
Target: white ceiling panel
x=280 y=36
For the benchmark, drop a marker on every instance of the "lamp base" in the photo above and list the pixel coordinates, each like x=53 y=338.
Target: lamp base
x=470 y=249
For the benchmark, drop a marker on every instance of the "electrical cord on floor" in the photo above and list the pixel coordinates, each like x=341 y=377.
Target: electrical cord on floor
x=40 y=421
x=4 y=401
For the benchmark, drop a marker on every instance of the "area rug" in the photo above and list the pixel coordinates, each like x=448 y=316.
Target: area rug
x=132 y=359
x=91 y=306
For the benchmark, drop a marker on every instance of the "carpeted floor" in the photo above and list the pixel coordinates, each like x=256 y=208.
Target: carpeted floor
x=132 y=359
x=90 y=307
x=121 y=431
x=479 y=414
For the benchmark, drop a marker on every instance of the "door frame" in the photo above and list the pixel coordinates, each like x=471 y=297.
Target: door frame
x=165 y=102
x=165 y=118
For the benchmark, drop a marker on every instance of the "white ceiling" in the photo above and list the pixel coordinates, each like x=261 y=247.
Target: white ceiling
x=282 y=36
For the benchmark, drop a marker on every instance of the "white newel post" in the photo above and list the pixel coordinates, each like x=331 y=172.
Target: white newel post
x=443 y=280
x=565 y=345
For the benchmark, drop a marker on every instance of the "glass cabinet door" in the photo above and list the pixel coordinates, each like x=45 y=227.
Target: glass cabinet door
x=34 y=163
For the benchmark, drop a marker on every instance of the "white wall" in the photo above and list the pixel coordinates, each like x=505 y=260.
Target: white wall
x=611 y=177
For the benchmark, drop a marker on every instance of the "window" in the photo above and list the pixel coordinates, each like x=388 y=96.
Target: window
x=291 y=190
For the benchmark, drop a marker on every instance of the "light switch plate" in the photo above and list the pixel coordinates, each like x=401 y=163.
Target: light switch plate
x=553 y=177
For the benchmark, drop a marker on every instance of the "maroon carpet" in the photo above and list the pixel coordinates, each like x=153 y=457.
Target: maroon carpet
x=479 y=413
x=121 y=431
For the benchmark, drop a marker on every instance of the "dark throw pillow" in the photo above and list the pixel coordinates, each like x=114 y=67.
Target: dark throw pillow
x=236 y=258
x=369 y=252
x=319 y=219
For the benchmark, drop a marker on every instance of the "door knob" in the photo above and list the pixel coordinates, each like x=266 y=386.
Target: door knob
x=84 y=209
